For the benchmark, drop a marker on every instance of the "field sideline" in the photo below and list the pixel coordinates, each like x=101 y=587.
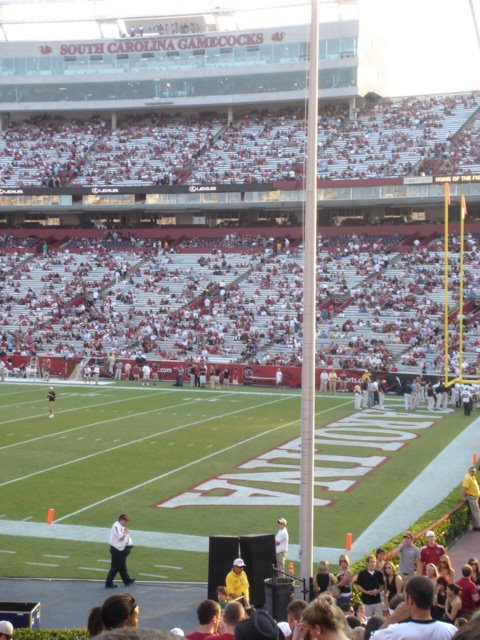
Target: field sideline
x=186 y=464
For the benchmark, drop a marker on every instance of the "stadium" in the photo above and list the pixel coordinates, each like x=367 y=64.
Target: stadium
x=154 y=237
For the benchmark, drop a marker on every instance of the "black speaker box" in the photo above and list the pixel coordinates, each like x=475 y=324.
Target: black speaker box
x=258 y=553
x=222 y=551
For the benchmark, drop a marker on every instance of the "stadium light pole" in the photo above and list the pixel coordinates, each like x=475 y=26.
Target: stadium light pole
x=309 y=311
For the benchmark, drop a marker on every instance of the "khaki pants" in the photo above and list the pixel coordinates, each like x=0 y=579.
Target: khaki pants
x=281 y=560
x=374 y=610
x=474 y=510
x=405 y=578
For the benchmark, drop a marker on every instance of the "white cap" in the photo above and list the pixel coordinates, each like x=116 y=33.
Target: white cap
x=430 y=534
x=177 y=632
x=6 y=628
x=238 y=562
x=285 y=629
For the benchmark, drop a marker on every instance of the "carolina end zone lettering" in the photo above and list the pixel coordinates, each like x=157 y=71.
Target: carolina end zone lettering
x=388 y=431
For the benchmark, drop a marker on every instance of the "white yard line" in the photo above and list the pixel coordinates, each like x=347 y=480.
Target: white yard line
x=145 y=538
x=63 y=411
x=188 y=464
x=79 y=428
x=130 y=443
x=423 y=493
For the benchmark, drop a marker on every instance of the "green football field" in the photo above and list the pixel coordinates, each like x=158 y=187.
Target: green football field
x=188 y=464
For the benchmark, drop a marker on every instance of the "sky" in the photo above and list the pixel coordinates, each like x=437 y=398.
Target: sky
x=431 y=44
x=428 y=45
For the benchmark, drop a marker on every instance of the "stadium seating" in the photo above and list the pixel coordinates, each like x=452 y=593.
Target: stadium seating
x=393 y=137
x=378 y=306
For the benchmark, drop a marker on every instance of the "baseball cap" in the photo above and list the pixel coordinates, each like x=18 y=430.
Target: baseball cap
x=282 y=521
x=430 y=534
x=6 y=628
x=285 y=629
x=238 y=562
x=408 y=534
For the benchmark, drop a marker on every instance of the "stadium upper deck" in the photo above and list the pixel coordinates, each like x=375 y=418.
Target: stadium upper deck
x=183 y=70
x=250 y=161
x=123 y=131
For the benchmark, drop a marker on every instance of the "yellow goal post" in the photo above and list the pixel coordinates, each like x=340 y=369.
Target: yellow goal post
x=460 y=379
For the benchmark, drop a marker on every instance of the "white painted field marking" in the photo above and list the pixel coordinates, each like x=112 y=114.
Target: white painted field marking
x=27 y=518
x=42 y=564
x=7 y=551
x=106 y=561
x=58 y=434
x=2 y=515
x=82 y=395
x=167 y=566
x=92 y=406
x=16 y=393
x=425 y=489
x=127 y=444
x=91 y=569
x=53 y=555
x=194 y=462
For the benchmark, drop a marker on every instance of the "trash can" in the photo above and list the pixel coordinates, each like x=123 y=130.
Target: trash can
x=21 y=614
x=278 y=595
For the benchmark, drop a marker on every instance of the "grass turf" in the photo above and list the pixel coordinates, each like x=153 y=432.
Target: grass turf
x=126 y=448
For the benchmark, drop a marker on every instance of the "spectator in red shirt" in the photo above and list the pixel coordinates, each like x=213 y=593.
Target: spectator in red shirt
x=431 y=552
x=233 y=614
x=469 y=592
x=209 y=616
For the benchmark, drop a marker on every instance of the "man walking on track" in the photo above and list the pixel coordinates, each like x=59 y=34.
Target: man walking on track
x=120 y=547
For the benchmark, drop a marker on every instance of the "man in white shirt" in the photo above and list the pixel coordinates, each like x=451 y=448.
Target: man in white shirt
x=146 y=371
x=120 y=547
x=324 y=381
x=412 y=620
x=281 y=543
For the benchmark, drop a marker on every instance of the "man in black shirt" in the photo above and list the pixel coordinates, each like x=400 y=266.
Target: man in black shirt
x=370 y=585
x=51 y=396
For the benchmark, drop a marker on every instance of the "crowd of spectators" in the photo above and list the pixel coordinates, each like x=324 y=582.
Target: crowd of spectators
x=389 y=138
x=378 y=308
x=460 y=153
x=392 y=603
x=392 y=136
x=265 y=146
x=149 y=149
x=9 y=242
